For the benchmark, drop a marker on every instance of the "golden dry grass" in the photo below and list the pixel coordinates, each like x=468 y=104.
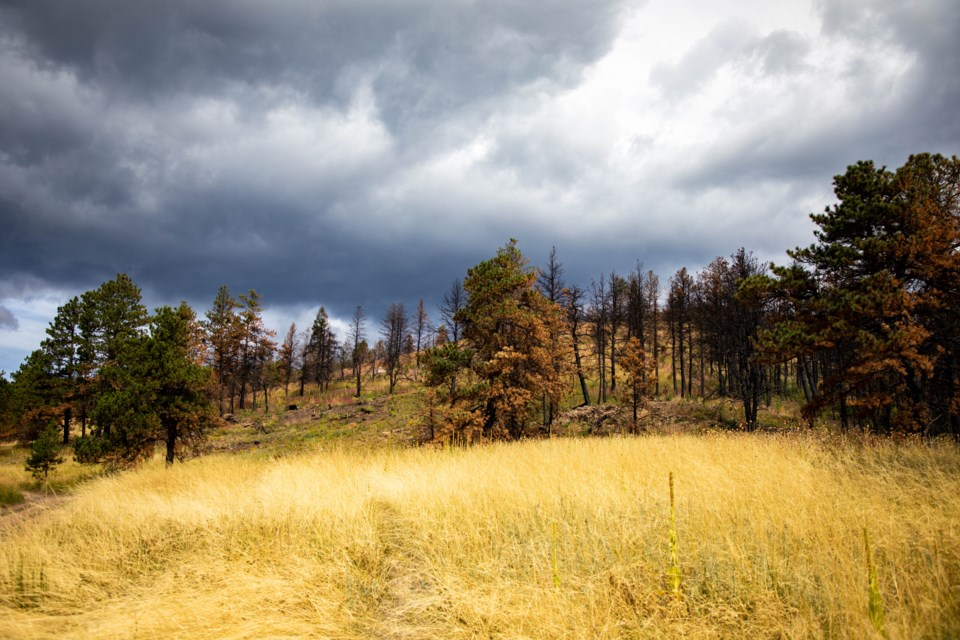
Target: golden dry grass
x=460 y=544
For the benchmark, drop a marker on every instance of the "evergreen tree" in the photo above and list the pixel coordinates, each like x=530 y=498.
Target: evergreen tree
x=358 y=346
x=453 y=301
x=160 y=394
x=639 y=370
x=223 y=332
x=421 y=330
x=729 y=321
x=454 y=395
x=256 y=347
x=394 y=331
x=321 y=348
x=112 y=318
x=45 y=452
x=573 y=304
x=7 y=419
x=64 y=345
x=287 y=358
x=114 y=315
x=508 y=324
x=874 y=299
x=33 y=396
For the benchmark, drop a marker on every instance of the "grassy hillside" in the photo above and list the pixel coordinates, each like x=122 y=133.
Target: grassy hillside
x=566 y=538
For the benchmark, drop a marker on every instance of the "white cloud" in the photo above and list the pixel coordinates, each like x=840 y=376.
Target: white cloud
x=33 y=314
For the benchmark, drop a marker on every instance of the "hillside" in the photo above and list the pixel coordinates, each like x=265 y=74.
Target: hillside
x=321 y=522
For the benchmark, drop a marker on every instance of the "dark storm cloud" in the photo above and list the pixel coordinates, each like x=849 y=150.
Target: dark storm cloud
x=425 y=57
x=106 y=166
x=365 y=152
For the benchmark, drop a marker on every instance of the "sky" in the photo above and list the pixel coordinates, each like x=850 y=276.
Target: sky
x=363 y=152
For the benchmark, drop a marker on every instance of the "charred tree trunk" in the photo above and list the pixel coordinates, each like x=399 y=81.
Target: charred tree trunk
x=171 y=441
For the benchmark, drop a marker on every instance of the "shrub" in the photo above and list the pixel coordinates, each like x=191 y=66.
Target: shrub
x=10 y=495
x=88 y=449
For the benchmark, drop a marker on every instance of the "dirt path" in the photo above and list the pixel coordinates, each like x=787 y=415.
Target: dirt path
x=34 y=504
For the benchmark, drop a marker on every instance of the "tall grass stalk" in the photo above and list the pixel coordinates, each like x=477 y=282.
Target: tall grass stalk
x=875 y=598
x=556 y=570
x=674 y=572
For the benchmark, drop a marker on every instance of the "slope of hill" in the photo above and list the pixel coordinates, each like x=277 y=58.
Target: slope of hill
x=563 y=538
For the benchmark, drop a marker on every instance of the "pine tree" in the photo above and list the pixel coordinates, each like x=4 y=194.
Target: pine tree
x=287 y=357
x=320 y=349
x=45 y=452
x=160 y=394
x=112 y=317
x=256 y=347
x=7 y=419
x=63 y=344
x=394 y=332
x=453 y=301
x=34 y=393
x=508 y=324
x=420 y=331
x=638 y=367
x=874 y=299
x=222 y=328
x=358 y=346
x=573 y=305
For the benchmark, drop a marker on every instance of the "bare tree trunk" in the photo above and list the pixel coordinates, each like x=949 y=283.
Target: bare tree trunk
x=673 y=354
x=580 y=376
x=681 y=343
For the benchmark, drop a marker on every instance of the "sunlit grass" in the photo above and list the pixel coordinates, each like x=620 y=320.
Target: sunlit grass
x=548 y=539
x=10 y=495
x=62 y=478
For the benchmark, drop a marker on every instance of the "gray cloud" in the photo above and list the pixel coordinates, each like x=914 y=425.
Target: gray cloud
x=928 y=32
x=151 y=139
x=734 y=42
x=886 y=114
x=724 y=43
x=781 y=52
x=364 y=152
x=425 y=57
x=7 y=319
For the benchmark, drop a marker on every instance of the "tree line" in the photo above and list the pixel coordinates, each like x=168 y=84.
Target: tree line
x=862 y=325
x=128 y=379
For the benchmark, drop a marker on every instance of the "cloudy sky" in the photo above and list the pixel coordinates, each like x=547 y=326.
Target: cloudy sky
x=345 y=152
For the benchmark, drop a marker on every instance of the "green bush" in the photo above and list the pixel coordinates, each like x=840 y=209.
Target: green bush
x=10 y=495
x=89 y=449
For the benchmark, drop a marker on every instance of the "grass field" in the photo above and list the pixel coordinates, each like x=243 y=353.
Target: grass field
x=566 y=538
